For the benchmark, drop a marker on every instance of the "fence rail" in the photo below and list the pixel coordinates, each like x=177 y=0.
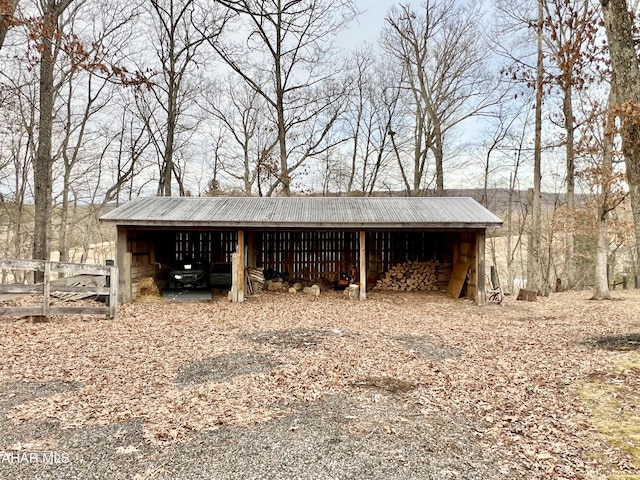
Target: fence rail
x=51 y=288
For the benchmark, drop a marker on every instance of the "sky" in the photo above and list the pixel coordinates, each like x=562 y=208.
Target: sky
x=367 y=27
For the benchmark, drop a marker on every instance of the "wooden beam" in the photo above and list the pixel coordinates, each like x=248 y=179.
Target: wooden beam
x=21 y=311
x=123 y=262
x=481 y=293
x=363 y=266
x=235 y=267
x=20 y=288
x=20 y=264
x=241 y=264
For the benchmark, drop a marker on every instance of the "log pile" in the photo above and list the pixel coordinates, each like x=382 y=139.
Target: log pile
x=409 y=276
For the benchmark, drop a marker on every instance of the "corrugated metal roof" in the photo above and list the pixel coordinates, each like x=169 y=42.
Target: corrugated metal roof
x=312 y=212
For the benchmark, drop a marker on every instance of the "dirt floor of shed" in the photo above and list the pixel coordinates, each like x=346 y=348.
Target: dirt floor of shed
x=286 y=386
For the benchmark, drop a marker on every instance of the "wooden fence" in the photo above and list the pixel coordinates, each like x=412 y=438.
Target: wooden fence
x=53 y=288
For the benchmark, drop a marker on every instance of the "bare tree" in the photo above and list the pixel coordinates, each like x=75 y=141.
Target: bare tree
x=604 y=180
x=357 y=112
x=569 y=32
x=441 y=51
x=18 y=139
x=48 y=35
x=289 y=61
x=64 y=58
x=626 y=83
x=242 y=114
x=85 y=90
x=371 y=120
x=534 y=254
x=179 y=29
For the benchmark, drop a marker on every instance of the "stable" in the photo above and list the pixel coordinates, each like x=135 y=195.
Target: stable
x=311 y=238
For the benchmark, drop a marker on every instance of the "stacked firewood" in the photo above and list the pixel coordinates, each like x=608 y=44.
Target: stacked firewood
x=409 y=276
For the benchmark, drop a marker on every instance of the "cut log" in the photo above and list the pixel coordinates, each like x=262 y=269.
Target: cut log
x=352 y=292
x=528 y=295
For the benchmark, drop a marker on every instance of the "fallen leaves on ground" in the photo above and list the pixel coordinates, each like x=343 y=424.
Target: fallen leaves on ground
x=513 y=370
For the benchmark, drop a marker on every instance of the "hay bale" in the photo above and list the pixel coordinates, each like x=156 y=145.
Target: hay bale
x=147 y=288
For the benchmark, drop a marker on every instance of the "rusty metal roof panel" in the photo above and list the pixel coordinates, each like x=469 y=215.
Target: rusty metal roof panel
x=300 y=212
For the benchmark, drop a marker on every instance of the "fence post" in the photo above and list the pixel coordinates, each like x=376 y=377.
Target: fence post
x=624 y=283
x=107 y=281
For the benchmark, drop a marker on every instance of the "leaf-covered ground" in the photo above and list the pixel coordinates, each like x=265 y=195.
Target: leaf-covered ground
x=420 y=385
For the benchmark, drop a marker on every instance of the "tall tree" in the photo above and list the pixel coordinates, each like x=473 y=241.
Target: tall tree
x=626 y=82
x=570 y=29
x=180 y=28
x=48 y=35
x=606 y=184
x=18 y=137
x=247 y=153
x=371 y=119
x=290 y=61
x=534 y=270
x=440 y=49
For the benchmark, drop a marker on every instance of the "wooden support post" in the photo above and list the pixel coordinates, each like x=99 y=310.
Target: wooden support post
x=242 y=282
x=127 y=295
x=363 y=266
x=123 y=262
x=481 y=292
x=235 y=269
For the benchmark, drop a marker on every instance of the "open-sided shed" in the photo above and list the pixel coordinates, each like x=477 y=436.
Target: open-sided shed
x=308 y=237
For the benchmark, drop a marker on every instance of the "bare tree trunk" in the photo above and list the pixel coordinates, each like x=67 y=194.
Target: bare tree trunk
x=43 y=164
x=569 y=262
x=63 y=242
x=626 y=82
x=167 y=173
x=438 y=153
x=535 y=233
x=601 y=291
x=510 y=272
